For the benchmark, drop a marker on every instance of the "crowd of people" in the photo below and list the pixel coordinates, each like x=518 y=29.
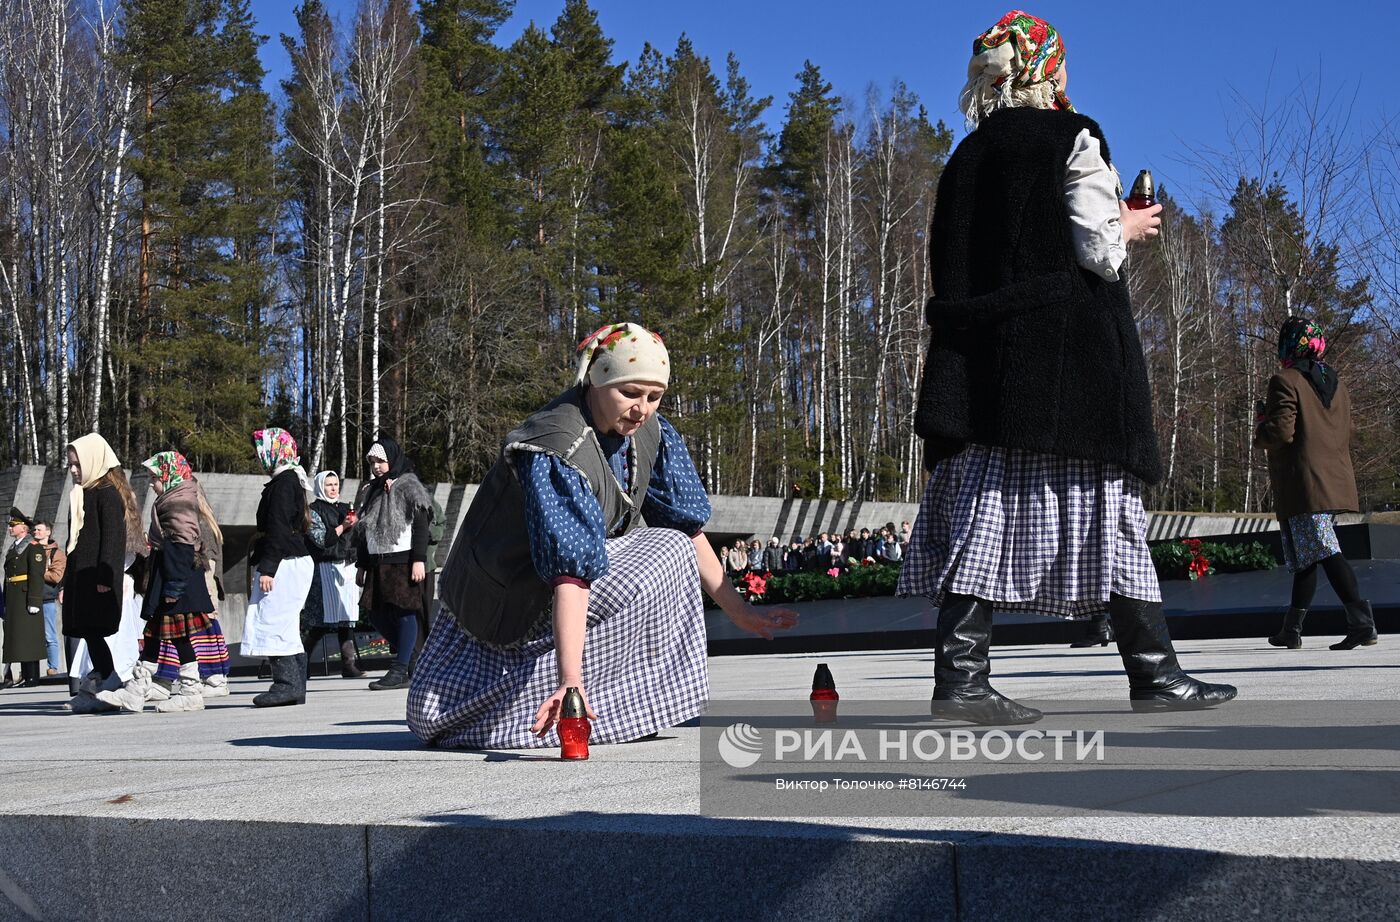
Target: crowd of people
x=140 y=602
x=821 y=553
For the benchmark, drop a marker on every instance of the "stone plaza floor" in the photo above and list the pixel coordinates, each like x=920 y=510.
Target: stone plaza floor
x=333 y=810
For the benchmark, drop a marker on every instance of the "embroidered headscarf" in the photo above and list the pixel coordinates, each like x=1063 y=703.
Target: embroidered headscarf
x=95 y=459
x=277 y=451
x=1014 y=63
x=170 y=468
x=1301 y=346
x=622 y=352
x=175 y=514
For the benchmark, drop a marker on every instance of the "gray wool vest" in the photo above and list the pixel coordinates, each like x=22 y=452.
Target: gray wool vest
x=489 y=580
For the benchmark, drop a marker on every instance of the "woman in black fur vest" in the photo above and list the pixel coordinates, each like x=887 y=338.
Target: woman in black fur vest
x=395 y=514
x=1035 y=408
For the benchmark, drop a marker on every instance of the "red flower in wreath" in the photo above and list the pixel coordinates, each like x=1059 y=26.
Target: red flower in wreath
x=755 y=585
x=1199 y=565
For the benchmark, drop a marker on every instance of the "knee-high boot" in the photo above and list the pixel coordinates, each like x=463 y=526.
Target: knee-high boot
x=962 y=665
x=288 y=682
x=1155 y=678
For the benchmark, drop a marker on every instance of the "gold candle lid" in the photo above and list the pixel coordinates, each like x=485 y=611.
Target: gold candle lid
x=573 y=703
x=1143 y=185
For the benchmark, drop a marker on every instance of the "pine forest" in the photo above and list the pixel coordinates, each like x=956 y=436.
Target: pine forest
x=416 y=232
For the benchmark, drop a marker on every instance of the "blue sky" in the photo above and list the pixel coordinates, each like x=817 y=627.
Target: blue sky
x=1162 y=78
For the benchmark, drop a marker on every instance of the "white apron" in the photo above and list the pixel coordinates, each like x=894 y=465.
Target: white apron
x=273 y=623
x=340 y=597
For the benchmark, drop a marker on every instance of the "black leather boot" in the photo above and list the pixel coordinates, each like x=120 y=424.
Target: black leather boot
x=396 y=677
x=1361 y=628
x=1097 y=633
x=288 y=682
x=350 y=660
x=1155 y=679
x=961 y=667
x=1290 y=635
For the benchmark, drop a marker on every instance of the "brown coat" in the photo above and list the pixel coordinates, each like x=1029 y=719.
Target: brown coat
x=58 y=562
x=1309 y=447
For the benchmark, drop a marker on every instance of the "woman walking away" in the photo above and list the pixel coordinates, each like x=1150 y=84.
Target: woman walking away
x=392 y=560
x=281 y=570
x=1305 y=427
x=334 y=601
x=553 y=583
x=1035 y=407
x=104 y=530
x=176 y=606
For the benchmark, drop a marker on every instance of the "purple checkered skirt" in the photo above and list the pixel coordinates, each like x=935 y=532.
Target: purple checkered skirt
x=1030 y=532
x=644 y=659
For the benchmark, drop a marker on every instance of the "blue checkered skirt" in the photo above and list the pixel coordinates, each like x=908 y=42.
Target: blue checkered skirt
x=1030 y=532
x=644 y=659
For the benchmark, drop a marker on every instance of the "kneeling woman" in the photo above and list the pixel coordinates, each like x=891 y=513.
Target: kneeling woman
x=556 y=527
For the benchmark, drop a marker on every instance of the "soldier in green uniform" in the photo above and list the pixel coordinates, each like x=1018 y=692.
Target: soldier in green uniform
x=24 y=600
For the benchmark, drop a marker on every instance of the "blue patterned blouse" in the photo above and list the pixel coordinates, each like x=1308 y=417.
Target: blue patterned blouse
x=564 y=518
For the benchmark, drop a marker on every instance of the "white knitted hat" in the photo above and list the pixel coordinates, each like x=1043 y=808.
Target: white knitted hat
x=622 y=352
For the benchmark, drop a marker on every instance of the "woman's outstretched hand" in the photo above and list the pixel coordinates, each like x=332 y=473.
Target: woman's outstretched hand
x=548 y=714
x=764 y=621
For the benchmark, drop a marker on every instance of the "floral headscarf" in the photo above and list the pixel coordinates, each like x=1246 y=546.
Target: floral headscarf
x=1301 y=346
x=175 y=515
x=170 y=468
x=277 y=451
x=1014 y=63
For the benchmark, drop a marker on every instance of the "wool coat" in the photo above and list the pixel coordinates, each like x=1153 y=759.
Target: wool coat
x=282 y=523
x=1308 y=446
x=96 y=560
x=1028 y=350
x=177 y=582
x=24 y=589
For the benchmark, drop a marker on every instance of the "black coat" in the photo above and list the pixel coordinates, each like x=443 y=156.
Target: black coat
x=174 y=576
x=1028 y=350
x=96 y=560
x=337 y=549
x=281 y=523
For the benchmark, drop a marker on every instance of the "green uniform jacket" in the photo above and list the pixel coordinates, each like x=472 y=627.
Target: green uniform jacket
x=24 y=589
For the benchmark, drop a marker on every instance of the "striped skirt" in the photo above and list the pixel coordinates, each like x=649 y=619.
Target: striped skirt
x=1030 y=532
x=209 y=649
x=644 y=659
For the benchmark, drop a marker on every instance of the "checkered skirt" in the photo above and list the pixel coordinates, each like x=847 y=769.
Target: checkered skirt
x=644 y=659
x=1030 y=532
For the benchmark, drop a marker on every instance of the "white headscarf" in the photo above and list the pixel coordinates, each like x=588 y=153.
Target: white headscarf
x=319 y=484
x=95 y=459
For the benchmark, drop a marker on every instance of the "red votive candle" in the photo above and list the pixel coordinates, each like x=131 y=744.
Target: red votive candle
x=574 y=727
x=1144 y=192
x=824 y=696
